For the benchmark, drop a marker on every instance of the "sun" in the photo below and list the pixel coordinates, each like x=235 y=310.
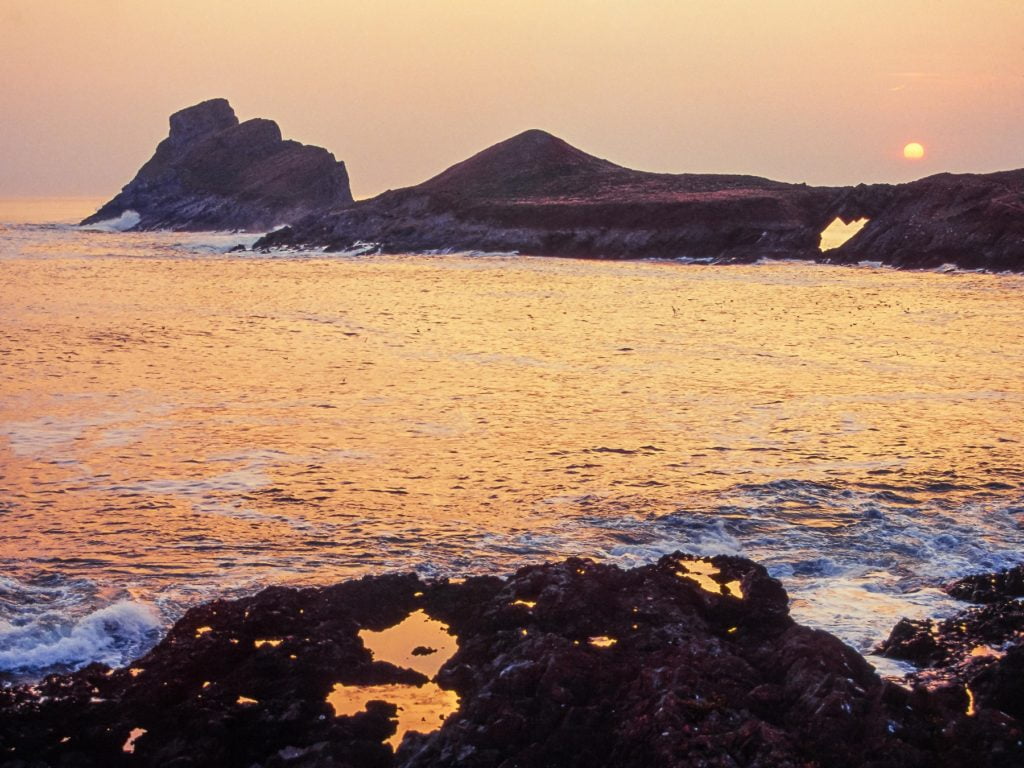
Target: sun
x=913 y=151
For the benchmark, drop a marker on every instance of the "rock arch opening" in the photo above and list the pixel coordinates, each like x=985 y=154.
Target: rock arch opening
x=838 y=232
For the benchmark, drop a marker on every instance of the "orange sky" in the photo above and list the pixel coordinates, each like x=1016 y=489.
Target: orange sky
x=799 y=90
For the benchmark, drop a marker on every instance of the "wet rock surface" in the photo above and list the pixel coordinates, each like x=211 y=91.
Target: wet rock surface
x=974 y=659
x=989 y=587
x=214 y=173
x=684 y=662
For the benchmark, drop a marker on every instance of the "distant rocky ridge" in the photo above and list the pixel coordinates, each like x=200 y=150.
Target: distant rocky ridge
x=535 y=194
x=214 y=173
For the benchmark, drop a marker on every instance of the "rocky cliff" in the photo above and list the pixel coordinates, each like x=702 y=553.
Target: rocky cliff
x=214 y=173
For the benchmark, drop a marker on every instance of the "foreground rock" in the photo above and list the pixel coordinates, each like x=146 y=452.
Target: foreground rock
x=975 y=659
x=536 y=194
x=214 y=173
x=685 y=662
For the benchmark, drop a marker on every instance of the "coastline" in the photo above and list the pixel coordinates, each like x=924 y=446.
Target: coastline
x=556 y=664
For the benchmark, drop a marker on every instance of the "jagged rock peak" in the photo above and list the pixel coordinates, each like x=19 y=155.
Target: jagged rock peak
x=201 y=119
x=213 y=172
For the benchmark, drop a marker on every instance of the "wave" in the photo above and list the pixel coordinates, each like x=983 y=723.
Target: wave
x=112 y=635
x=853 y=557
x=127 y=220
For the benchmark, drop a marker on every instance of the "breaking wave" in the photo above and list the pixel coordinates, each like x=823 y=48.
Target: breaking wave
x=55 y=627
x=126 y=221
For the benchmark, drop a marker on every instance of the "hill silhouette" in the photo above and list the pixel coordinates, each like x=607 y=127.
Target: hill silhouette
x=536 y=193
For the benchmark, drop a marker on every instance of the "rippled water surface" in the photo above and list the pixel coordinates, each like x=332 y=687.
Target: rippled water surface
x=177 y=422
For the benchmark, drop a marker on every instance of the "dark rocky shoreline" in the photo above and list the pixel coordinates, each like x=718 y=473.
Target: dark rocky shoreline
x=680 y=663
x=976 y=657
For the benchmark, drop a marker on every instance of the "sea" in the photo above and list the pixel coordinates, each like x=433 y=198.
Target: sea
x=180 y=422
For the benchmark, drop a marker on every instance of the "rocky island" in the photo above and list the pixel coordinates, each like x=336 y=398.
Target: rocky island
x=687 y=661
x=214 y=173
x=536 y=194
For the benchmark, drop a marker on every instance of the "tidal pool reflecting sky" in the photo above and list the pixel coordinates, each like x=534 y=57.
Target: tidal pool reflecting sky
x=798 y=90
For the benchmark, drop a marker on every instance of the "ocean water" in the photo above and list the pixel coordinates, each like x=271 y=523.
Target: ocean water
x=179 y=423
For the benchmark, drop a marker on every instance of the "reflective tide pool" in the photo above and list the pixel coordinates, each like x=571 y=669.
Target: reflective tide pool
x=177 y=422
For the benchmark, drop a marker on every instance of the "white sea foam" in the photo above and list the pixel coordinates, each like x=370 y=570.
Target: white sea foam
x=127 y=220
x=112 y=635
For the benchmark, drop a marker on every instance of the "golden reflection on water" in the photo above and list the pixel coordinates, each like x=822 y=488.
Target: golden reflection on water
x=243 y=418
x=420 y=708
x=417 y=642
x=47 y=209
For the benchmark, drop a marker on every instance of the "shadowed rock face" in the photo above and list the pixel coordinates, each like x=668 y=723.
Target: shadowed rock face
x=538 y=195
x=684 y=662
x=973 y=221
x=214 y=173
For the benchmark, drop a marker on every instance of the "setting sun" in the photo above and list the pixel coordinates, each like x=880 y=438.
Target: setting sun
x=913 y=151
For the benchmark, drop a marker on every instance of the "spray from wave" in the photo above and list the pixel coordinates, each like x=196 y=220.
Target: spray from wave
x=57 y=626
x=126 y=221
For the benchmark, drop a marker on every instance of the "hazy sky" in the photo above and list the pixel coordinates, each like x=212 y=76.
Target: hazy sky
x=798 y=90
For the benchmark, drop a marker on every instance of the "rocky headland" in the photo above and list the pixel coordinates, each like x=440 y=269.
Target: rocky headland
x=535 y=194
x=684 y=662
x=214 y=173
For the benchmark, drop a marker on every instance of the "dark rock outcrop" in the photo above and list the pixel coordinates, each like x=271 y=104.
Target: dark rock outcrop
x=681 y=663
x=538 y=195
x=972 y=221
x=974 y=659
x=214 y=173
x=989 y=587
